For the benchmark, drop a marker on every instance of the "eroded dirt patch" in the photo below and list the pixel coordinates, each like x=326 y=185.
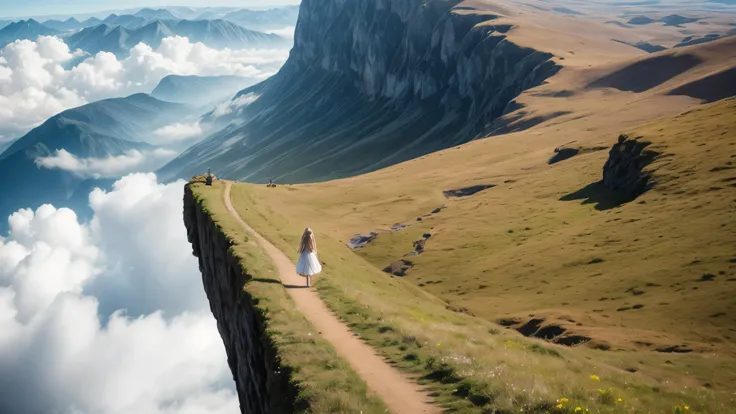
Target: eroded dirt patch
x=550 y=331
x=399 y=267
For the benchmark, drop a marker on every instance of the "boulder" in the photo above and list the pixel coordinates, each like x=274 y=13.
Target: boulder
x=624 y=169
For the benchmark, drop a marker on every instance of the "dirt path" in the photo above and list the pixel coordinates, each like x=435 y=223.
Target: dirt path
x=399 y=393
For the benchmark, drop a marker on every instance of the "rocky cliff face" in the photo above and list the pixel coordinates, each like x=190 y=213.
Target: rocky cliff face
x=370 y=83
x=262 y=386
x=624 y=169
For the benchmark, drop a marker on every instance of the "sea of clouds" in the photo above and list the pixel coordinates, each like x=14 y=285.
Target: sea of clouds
x=108 y=316
x=41 y=78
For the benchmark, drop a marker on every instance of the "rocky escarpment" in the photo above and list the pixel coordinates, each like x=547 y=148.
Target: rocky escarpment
x=624 y=169
x=262 y=386
x=370 y=83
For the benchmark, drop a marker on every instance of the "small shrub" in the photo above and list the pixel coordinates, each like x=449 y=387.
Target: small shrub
x=411 y=357
x=606 y=397
x=539 y=349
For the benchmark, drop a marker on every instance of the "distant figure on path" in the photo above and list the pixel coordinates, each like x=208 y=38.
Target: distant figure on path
x=308 y=264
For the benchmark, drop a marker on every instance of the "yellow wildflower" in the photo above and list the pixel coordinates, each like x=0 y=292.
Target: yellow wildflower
x=559 y=406
x=564 y=400
x=578 y=409
x=687 y=407
x=595 y=377
x=620 y=400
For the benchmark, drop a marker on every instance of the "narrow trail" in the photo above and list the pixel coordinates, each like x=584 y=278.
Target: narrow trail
x=399 y=393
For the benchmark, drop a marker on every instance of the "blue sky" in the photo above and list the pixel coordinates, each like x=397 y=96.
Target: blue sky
x=16 y=8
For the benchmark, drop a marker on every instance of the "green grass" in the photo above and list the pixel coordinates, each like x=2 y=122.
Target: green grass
x=519 y=250
x=325 y=382
x=469 y=364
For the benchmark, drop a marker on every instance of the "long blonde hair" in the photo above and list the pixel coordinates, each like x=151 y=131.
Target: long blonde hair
x=308 y=243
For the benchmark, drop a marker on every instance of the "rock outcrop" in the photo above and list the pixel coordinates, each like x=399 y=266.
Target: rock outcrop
x=624 y=169
x=262 y=386
x=370 y=83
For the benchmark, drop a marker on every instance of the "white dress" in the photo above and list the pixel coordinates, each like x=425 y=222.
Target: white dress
x=308 y=264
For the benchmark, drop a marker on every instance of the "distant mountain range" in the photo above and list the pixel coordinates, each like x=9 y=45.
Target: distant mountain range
x=214 y=33
x=71 y=24
x=108 y=128
x=259 y=20
x=118 y=34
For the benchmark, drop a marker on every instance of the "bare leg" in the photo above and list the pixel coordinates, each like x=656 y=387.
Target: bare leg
x=308 y=281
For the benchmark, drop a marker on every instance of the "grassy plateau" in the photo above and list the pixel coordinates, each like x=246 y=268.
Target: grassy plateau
x=635 y=303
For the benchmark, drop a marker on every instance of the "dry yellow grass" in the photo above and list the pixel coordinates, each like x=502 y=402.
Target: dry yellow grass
x=628 y=277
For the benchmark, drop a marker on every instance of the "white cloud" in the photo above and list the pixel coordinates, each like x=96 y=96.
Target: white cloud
x=177 y=132
x=34 y=84
x=227 y=108
x=287 y=32
x=60 y=280
x=108 y=167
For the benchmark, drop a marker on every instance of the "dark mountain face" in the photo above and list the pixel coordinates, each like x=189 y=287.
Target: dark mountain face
x=108 y=128
x=24 y=29
x=369 y=85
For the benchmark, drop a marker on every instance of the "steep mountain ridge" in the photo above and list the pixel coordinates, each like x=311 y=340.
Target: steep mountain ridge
x=369 y=84
x=24 y=29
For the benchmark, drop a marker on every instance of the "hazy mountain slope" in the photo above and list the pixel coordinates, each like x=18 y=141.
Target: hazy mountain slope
x=157 y=14
x=92 y=21
x=199 y=90
x=108 y=128
x=127 y=21
x=63 y=26
x=24 y=29
x=113 y=39
x=151 y=34
x=265 y=19
x=221 y=34
x=367 y=86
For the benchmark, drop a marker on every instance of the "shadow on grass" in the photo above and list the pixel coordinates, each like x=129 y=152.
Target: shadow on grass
x=276 y=282
x=261 y=280
x=296 y=286
x=597 y=194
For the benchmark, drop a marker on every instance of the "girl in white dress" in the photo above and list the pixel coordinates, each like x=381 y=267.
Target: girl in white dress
x=308 y=264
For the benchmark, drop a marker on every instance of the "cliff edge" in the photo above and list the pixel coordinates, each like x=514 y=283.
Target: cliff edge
x=242 y=323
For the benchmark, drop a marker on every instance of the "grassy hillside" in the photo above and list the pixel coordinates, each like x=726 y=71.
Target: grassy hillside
x=645 y=289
